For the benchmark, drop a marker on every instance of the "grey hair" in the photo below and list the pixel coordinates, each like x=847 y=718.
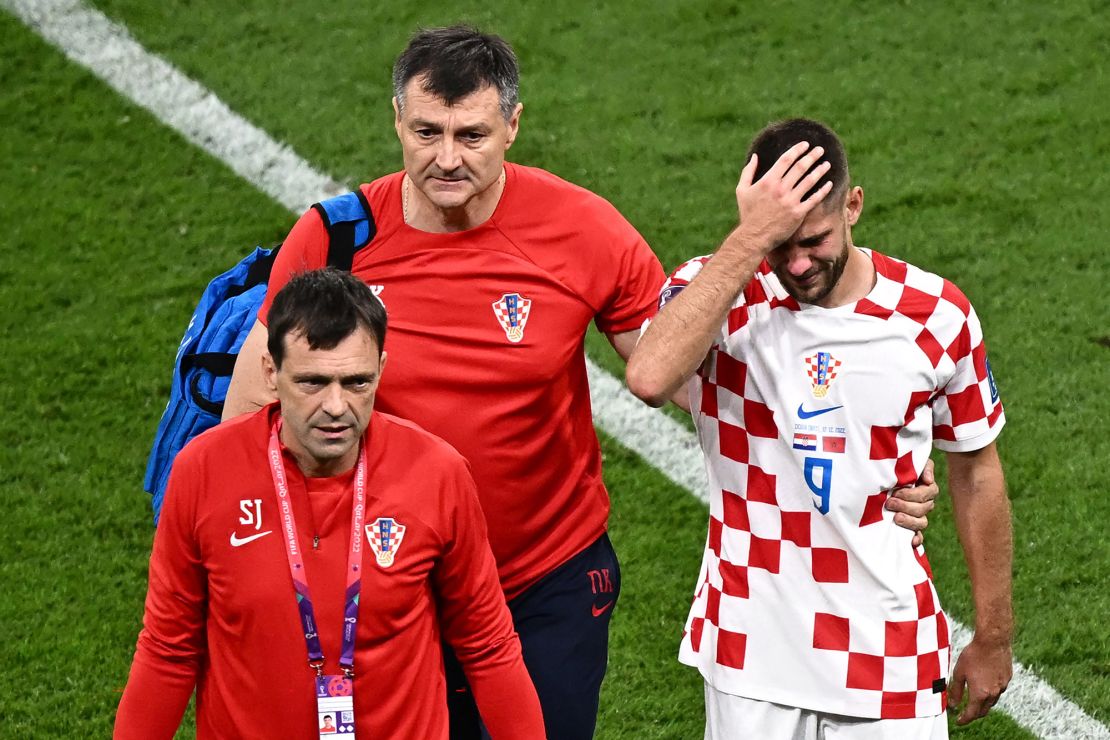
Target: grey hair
x=456 y=62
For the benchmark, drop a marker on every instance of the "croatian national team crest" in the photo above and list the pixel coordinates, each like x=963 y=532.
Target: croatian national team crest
x=384 y=535
x=821 y=369
x=512 y=310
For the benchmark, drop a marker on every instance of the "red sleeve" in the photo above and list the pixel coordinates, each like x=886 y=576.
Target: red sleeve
x=967 y=411
x=476 y=623
x=636 y=280
x=306 y=248
x=172 y=641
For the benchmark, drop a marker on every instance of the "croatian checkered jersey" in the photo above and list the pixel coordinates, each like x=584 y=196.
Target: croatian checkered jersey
x=808 y=417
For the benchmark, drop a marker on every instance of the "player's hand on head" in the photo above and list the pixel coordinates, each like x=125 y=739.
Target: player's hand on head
x=774 y=206
x=911 y=504
x=982 y=673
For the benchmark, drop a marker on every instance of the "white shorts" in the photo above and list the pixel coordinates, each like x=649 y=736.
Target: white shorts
x=729 y=717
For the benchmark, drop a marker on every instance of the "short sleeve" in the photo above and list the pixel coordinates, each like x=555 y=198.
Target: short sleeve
x=675 y=284
x=635 y=282
x=967 y=412
x=306 y=248
x=679 y=279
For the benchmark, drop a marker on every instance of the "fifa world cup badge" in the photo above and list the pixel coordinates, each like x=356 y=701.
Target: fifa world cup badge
x=384 y=535
x=512 y=311
x=821 y=369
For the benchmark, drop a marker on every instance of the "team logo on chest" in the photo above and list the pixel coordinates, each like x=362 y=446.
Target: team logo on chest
x=821 y=369
x=511 y=311
x=384 y=535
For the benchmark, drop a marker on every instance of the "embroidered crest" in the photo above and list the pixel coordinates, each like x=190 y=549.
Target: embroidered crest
x=821 y=369
x=511 y=311
x=384 y=535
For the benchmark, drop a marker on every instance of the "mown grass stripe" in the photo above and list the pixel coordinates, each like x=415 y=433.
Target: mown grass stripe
x=108 y=51
x=92 y=40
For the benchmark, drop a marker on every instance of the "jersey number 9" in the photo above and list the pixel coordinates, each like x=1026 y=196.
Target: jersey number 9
x=819 y=467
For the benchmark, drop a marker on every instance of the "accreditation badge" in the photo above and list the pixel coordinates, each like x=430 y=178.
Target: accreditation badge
x=335 y=707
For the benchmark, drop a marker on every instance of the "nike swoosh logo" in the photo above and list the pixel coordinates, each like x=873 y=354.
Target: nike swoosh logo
x=599 y=610
x=240 y=541
x=803 y=414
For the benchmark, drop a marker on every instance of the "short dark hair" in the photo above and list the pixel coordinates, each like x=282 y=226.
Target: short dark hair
x=770 y=144
x=326 y=306
x=456 y=62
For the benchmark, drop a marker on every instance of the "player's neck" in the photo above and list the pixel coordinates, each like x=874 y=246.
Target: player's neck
x=423 y=215
x=855 y=282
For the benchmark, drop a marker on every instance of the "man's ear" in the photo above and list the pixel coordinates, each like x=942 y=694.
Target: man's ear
x=269 y=373
x=514 y=125
x=854 y=206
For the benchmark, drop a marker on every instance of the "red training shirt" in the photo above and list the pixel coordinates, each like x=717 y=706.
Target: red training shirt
x=518 y=410
x=221 y=611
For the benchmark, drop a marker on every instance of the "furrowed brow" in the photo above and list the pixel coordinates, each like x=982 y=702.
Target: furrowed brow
x=815 y=239
x=419 y=123
x=358 y=378
x=310 y=378
x=478 y=128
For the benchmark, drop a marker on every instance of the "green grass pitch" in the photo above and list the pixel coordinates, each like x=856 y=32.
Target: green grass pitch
x=980 y=134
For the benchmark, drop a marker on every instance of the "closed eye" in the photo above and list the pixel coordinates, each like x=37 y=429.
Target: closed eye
x=814 y=241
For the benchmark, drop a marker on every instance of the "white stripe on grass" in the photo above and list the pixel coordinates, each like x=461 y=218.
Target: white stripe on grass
x=92 y=40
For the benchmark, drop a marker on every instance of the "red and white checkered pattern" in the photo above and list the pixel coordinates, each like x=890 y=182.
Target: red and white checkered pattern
x=832 y=612
x=512 y=323
x=916 y=649
x=385 y=535
x=813 y=369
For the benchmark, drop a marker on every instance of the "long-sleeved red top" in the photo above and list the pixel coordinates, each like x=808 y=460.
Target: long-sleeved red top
x=221 y=614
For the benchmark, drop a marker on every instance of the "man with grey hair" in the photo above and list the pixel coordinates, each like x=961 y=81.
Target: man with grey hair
x=492 y=272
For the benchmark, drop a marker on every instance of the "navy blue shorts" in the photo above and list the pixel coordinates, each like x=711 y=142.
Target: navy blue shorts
x=563 y=623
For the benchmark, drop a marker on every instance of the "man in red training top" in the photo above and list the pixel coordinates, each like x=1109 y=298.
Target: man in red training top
x=315 y=549
x=492 y=272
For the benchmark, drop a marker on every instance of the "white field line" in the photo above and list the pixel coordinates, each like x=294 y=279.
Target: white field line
x=89 y=38
x=107 y=49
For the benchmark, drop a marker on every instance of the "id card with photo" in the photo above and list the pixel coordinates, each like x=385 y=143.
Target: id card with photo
x=335 y=707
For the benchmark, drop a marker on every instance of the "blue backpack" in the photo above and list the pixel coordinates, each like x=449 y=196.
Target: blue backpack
x=221 y=321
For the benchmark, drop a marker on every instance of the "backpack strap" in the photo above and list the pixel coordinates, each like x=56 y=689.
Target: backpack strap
x=350 y=225
x=221 y=322
x=257 y=273
x=219 y=364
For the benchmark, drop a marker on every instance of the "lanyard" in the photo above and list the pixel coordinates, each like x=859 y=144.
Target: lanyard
x=296 y=560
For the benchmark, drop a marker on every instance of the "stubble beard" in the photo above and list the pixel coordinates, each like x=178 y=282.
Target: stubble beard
x=830 y=272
